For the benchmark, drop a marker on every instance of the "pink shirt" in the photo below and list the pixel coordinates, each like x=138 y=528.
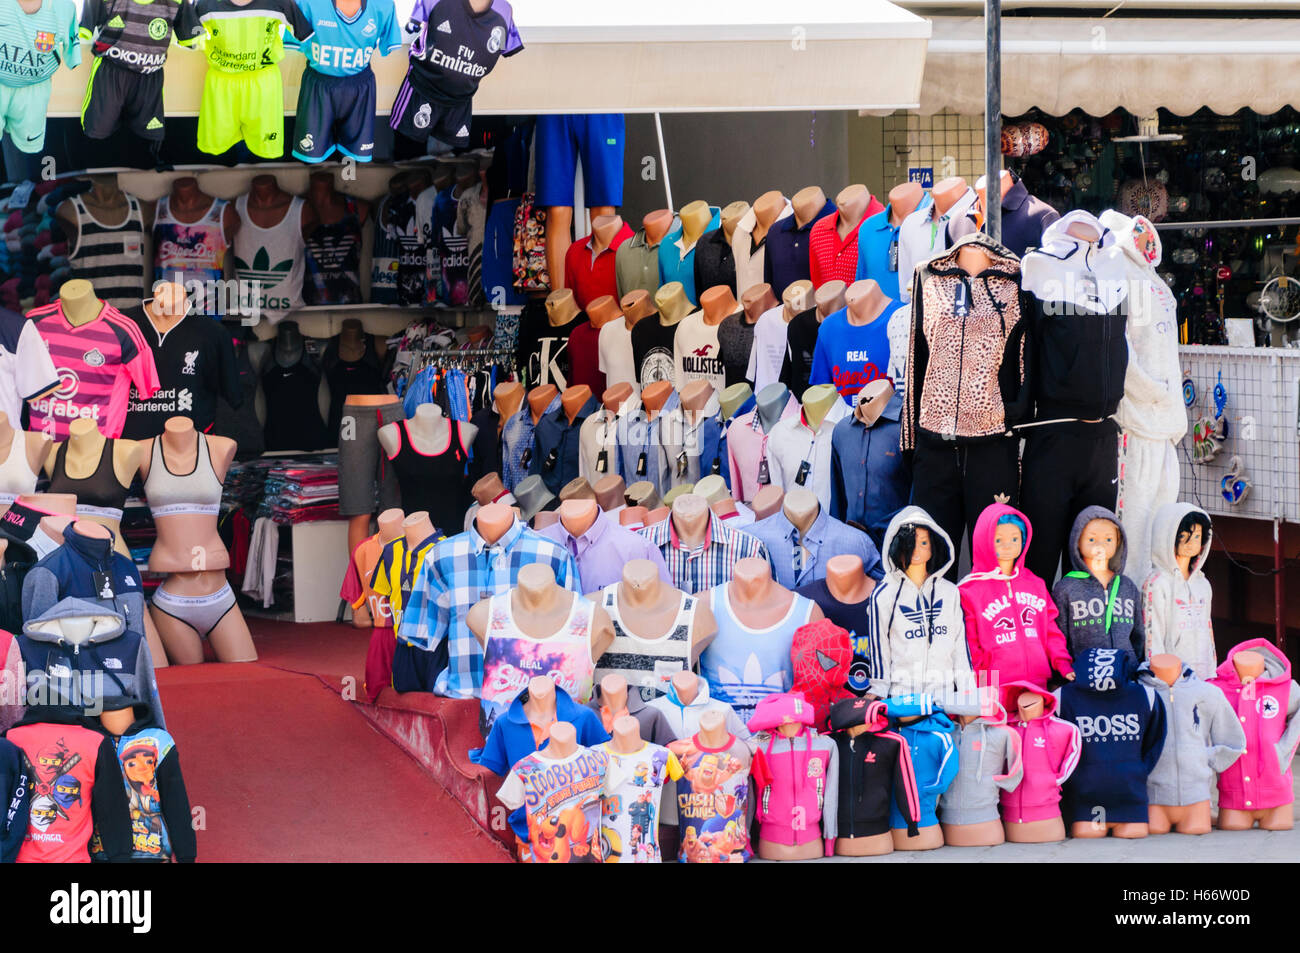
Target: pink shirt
x=746 y=451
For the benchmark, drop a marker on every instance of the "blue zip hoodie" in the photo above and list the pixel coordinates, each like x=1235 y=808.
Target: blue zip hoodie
x=1122 y=724
x=933 y=750
x=511 y=738
x=78 y=569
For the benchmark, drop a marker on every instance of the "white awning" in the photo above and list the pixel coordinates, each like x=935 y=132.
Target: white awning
x=1098 y=65
x=661 y=55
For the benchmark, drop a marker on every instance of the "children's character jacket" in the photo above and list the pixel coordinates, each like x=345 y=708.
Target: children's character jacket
x=1094 y=616
x=875 y=771
x=917 y=637
x=988 y=763
x=1010 y=620
x=74 y=788
x=796 y=779
x=934 y=754
x=1202 y=739
x=1122 y=724
x=1266 y=710
x=1176 y=611
x=1049 y=751
x=823 y=656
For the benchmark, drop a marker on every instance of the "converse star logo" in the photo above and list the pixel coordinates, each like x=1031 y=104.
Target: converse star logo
x=444 y=26
x=1001 y=498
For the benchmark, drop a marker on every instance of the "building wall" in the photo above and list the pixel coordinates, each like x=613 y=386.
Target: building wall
x=725 y=157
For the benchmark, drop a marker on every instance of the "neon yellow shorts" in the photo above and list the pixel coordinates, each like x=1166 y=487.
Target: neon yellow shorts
x=22 y=114
x=242 y=106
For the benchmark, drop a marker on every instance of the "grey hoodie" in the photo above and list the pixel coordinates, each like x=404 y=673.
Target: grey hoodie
x=684 y=720
x=105 y=669
x=1093 y=616
x=1202 y=738
x=988 y=761
x=1177 y=610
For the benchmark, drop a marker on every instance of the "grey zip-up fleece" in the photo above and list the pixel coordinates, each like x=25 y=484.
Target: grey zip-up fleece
x=1082 y=601
x=1202 y=738
x=988 y=759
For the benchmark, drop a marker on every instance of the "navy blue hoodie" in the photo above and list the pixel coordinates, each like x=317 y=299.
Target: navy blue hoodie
x=1122 y=724
x=13 y=801
x=80 y=568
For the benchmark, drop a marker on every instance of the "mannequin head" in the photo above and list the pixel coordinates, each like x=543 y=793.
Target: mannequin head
x=610 y=492
x=1098 y=544
x=636 y=304
x=1193 y=530
x=633 y=517
x=1008 y=541
x=686 y=685
x=915 y=545
x=1249 y=665
x=731 y=216
x=602 y=310
x=797 y=297
x=169 y=301
x=1029 y=705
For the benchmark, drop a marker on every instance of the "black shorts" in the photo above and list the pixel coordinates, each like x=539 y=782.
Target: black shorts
x=335 y=113
x=117 y=96
x=419 y=112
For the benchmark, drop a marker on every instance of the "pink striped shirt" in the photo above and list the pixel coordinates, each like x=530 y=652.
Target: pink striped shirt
x=97 y=363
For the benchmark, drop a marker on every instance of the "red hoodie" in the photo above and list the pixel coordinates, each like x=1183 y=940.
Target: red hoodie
x=1010 y=620
x=1049 y=750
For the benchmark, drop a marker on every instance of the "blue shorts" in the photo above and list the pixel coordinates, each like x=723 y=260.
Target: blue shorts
x=499 y=254
x=415 y=670
x=598 y=140
x=335 y=112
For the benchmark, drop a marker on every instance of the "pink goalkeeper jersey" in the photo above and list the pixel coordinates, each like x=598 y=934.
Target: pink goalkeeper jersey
x=97 y=363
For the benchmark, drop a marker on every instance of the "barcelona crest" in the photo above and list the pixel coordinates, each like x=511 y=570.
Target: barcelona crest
x=44 y=41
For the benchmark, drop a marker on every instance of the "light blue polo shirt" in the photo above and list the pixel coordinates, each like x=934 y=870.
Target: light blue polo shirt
x=874 y=240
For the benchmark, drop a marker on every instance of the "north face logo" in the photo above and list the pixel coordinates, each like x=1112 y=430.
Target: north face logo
x=113 y=663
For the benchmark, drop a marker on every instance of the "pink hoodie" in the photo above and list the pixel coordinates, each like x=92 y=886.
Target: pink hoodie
x=1267 y=707
x=1010 y=620
x=1049 y=751
x=796 y=779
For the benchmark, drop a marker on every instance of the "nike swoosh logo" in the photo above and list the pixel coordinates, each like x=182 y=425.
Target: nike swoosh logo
x=32 y=138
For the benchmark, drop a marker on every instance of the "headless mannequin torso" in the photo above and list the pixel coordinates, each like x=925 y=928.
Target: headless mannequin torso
x=1250 y=666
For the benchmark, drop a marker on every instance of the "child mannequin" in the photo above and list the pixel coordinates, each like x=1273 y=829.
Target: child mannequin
x=1010 y=620
x=1176 y=596
x=1097 y=606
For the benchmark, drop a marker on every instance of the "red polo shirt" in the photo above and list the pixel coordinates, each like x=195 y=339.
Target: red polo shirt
x=584 y=356
x=829 y=258
x=590 y=279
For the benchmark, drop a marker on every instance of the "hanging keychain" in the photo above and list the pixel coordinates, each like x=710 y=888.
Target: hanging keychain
x=1220 y=404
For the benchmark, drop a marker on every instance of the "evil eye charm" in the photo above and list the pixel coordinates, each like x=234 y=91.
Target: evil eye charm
x=1220 y=396
x=1189 y=391
x=1235 y=486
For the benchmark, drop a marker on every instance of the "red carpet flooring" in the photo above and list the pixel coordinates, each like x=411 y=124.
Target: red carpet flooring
x=286 y=770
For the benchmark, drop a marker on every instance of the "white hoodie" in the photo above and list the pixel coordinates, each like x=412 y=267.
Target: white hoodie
x=917 y=637
x=1176 y=611
x=1152 y=406
x=750 y=260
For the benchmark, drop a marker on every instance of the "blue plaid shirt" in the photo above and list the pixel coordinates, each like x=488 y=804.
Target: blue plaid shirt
x=456 y=574
x=517 y=438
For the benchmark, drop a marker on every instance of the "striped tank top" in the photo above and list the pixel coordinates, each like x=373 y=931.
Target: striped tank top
x=512 y=658
x=743 y=665
x=647 y=665
x=110 y=257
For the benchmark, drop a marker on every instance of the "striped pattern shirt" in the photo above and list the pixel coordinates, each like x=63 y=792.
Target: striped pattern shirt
x=647 y=665
x=699 y=570
x=456 y=574
x=96 y=363
x=110 y=257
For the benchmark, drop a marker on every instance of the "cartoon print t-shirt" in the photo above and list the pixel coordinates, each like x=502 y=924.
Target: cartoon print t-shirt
x=60 y=764
x=629 y=814
x=711 y=800
x=561 y=799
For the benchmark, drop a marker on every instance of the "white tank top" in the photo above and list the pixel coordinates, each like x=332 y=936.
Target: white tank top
x=511 y=658
x=647 y=665
x=16 y=476
x=274 y=258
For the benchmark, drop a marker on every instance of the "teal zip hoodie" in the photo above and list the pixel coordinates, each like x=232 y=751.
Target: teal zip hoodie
x=934 y=754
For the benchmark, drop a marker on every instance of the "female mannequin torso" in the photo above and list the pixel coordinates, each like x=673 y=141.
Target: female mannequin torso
x=97 y=471
x=191 y=467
